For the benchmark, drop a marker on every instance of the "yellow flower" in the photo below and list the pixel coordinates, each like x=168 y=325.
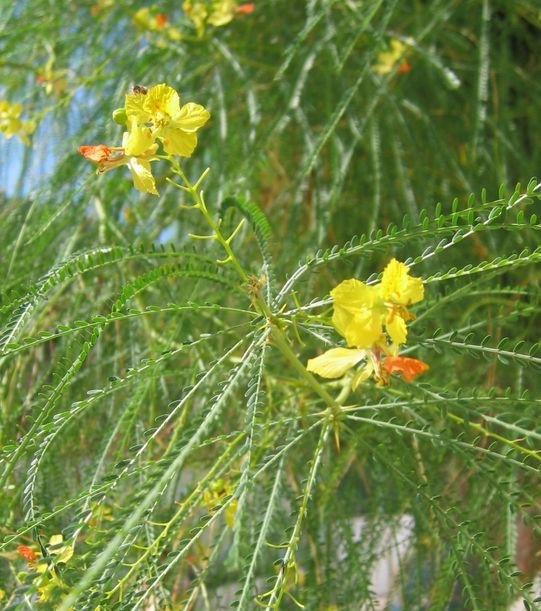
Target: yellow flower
x=222 y=12
x=62 y=552
x=213 y=497
x=11 y=124
x=143 y=19
x=399 y=290
x=198 y=13
x=153 y=21
x=335 y=362
x=387 y=60
x=361 y=311
x=358 y=313
x=52 y=80
x=137 y=151
x=48 y=582
x=173 y=125
x=139 y=148
x=361 y=314
x=214 y=12
x=398 y=286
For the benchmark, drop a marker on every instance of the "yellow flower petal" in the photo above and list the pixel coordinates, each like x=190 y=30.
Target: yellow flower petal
x=396 y=328
x=134 y=106
x=197 y=13
x=191 y=117
x=161 y=102
x=142 y=175
x=363 y=375
x=137 y=140
x=143 y=18
x=178 y=142
x=358 y=312
x=222 y=13
x=174 y=33
x=16 y=109
x=335 y=362
x=11 y=124
x=28 y=126
x=65 y=553
x=365 y=328
x=398 y=286
x=230 y=513
x=349 y=297
x=388 y=59
x=56 y=539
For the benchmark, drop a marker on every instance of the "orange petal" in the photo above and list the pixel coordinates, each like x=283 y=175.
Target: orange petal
x=161 y=19
x=246 y=8
x=403 y=67
x=27 y=552
x=95 y=152
x=409 y=368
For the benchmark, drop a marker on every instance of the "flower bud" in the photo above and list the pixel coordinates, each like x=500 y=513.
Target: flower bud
x=119 y=116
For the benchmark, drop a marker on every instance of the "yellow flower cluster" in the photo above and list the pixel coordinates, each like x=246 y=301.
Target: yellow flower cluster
x=52 y=80
x=11 y=124
x=214 y=496
x=99 y=6
x=393 y=58
x=158 y=23
x=213 y=12
x=366 y=316
x=151 y=115
x=48 y=582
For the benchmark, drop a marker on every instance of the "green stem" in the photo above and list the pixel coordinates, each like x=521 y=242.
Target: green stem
x=288 y=561
x=200 y=205
x=280 y=339
x=481 y=429
x=281 y=343
x=154 y=547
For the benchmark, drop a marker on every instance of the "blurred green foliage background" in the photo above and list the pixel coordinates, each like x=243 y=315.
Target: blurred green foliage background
x=337 y=118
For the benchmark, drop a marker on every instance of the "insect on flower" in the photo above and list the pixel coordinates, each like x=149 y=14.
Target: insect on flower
x=139 y=89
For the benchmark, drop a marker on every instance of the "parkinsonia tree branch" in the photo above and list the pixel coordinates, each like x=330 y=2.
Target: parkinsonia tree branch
x=288 y=562
x=277 y=334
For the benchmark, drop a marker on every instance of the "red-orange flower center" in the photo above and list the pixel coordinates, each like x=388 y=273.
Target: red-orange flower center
x=407 y=367
x=27 y=552
x=246 y=8
x=95 y=152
